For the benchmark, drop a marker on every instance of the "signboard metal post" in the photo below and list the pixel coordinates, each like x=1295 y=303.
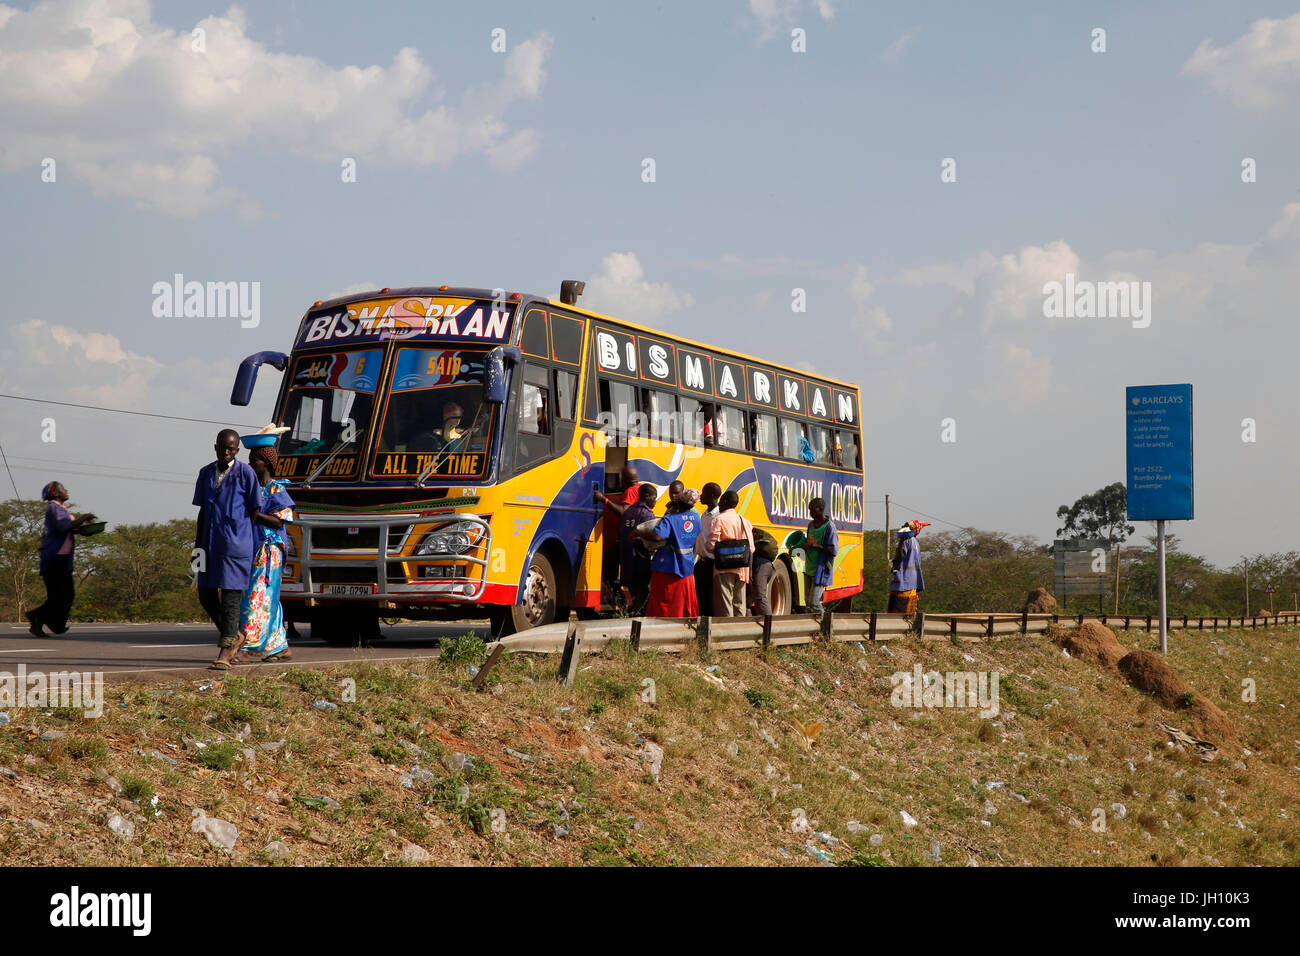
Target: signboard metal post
x=1159 y=429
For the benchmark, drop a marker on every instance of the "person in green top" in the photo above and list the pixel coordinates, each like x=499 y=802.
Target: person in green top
x=820 y=549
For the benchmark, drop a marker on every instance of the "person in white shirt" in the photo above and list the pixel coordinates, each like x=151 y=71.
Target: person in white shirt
x=709 y=496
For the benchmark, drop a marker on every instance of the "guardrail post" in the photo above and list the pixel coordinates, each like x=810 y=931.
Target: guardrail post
x=1126 y=622
x=1024 y=621
x=1103 y=620
x=871 y=628
x=1148 y=622
x=767 y=634
x=952 y=627
x=1184 y=622
x=1079 y=622
x=480 y=679
x=572 y=655
x=828 y=625
x=990 y=631
x=702 y=635
x=1201 y=625
x=636 y=634
x=920 y=624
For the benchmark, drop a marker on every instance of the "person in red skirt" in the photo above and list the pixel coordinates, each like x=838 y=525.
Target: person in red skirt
x=672 y=566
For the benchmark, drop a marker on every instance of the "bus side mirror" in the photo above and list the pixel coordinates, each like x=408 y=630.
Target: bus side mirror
x=246 y=377
x=494 y=372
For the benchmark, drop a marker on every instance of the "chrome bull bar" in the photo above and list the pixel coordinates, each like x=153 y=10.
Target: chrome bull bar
x=394 y=532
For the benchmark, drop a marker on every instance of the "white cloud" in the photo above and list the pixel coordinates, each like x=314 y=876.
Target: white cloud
x=896 y=50
x=620 y=288
x=152 y=116
x=1259 y=70
x=872 y=321
x=776 y=17
x=351 y=289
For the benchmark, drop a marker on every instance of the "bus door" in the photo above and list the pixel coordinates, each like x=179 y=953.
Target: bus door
x=618 y=402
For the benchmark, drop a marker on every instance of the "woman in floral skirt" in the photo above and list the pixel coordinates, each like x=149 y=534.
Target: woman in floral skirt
x=261 y=619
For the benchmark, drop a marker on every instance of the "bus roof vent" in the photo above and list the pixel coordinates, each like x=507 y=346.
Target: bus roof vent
x=570 y=289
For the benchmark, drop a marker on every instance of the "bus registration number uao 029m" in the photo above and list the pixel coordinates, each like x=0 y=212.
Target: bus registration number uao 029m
x=348 y=590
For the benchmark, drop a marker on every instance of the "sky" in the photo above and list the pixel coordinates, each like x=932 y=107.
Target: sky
x=920 y=171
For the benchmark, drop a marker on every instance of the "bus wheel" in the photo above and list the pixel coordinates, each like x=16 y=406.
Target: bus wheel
x=779 y=591
x=536 y=605
x=336 y=627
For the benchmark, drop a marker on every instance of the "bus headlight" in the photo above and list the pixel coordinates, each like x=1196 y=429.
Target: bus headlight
x=455 y=537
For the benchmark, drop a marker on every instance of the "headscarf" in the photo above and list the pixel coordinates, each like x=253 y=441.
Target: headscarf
x=266 y=453
x=45 y=492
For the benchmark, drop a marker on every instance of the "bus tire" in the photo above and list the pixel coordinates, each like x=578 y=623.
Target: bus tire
x=780 y=591
x=537 y=602
x=335 y=626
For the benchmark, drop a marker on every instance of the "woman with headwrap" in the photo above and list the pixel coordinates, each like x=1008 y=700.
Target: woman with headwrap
x=906 y=581
x=261 y=618
x=57 y=543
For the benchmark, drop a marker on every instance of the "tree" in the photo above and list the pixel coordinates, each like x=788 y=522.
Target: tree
x=21 y=523
x=1102 y=514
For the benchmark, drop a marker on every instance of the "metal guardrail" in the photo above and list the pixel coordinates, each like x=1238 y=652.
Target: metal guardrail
x=753 y=633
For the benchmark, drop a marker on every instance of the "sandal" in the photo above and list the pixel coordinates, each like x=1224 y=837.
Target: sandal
x=36 y=629
x=219 y=665
x=284 y=655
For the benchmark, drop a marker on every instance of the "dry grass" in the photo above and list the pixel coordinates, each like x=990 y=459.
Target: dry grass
x=1065 y=740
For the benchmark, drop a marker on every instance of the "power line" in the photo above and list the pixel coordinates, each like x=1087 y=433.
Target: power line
x=11 y=474
x=96 y=474
x=959 y=527
x=124 y=411
x=95 y=464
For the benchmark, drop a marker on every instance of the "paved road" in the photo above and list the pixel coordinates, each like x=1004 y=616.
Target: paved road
x=155 y=651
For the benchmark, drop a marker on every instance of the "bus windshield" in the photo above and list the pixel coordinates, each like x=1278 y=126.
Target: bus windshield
x=329 y=403
x=435 y=423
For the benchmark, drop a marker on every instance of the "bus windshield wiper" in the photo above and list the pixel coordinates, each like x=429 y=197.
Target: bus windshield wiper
x=438 y=458
x=328 y=458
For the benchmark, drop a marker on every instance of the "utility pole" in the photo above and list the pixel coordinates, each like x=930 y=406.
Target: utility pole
x=1117 y=579
x=1160 y=556
x=889 y=528
x=1246 y=566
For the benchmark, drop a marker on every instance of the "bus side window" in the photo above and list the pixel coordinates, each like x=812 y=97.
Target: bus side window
x=619 y=411
x=661 y=409
x=566 y=394
x=820 y=437
x=692 y=420
x=792 y=435
x=729 y=427
x=534 y=416
x=766 y=437
x=847 y=453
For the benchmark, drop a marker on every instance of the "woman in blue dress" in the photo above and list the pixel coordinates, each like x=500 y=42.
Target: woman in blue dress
x=261 y=619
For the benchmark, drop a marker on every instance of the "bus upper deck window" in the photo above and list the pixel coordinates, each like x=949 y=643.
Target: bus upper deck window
x=566 y=339
x=534 y=339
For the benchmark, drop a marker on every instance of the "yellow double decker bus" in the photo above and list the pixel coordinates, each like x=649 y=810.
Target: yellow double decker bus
x=445 y=446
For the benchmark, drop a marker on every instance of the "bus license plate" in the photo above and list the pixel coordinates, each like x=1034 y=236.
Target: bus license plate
x=347 y=590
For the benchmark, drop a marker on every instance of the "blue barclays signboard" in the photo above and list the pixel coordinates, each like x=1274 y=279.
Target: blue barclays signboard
x=1159 y=430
